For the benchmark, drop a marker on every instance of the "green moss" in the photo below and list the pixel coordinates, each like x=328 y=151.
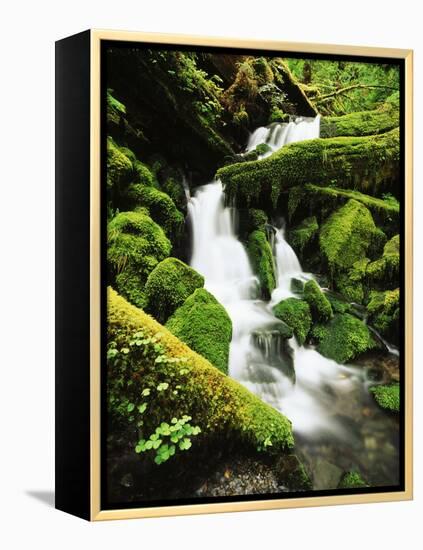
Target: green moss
x=143 y=174
x=387 y=396
x=168 y=286
x=115 y=109
x=277 y=115
x=344 y=338
x=363 y=123
x=135 y=246
x=352 y=480
x=203 y=324
x=348 y=234
x=352 y=283
x=360 y=163
x=257 y=219
x=321 y=310
x=261 y=258
x=338 y=303
x=119 y=166
x=303 y=234
x=386 y=269
x=384 y=312
x=263 y=148
x=161 y=207
x=219 y=405
x=296 y=314
x=174 y=188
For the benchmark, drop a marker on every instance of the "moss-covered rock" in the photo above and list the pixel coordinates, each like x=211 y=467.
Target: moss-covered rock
x=387 y=396
x=136 y=244
x=168 y=286
x=352 y=480
x=362 y=123
x=300 y=236
x=344 y=338
x=384 y=312
x=352 y=283
x=320 y=307
x=385 y=270
x=161 y=207
x=296 y=314
x=120 y=170
x=179 y=382
x=203 y=324
x=361 y=163
x=261 y=257
x=257 y=219
x=348 y=235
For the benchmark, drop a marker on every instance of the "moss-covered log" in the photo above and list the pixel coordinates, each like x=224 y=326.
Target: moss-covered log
x=204 y=325
x=180 y=382
x=361 y=163
x=362 y=123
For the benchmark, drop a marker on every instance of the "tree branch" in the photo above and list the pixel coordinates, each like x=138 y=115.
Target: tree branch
x=348 y=89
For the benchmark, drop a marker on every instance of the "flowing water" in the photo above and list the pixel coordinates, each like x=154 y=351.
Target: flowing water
x=336 y=423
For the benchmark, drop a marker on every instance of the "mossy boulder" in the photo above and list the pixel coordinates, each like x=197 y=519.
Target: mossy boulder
x=168 y=286
x=296 y=314
x=303 y=234
x=385 y=270
x=361 y=163
x=179 y=382
x=362 y=123
x=344 y=338
x=261 y=258
x=161 y=207
x=204 y=325
x=352 y=284
x=320 y=307
x=384 y=312
x=352 y=480
x=120 y=170
x=136 y=244
x=348 y=235
x=387 y=396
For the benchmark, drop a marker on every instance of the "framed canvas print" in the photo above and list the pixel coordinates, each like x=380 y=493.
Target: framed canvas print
x=234 y=279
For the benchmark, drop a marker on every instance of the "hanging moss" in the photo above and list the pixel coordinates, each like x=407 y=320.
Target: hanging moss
x=385 y=270
x=296 y=314
x=135 y=246
x=261 y=258
x=360 y=163
x=348 y=235
x=320 y=307
x=387 y=396
x=384 y=312
x=203 y=324
x=363 y=123
x=161 y=207
x=218 y=404
x=168 y=286
x=344 y=338
x=257 y=219
x=352 y=480
x=301 y=235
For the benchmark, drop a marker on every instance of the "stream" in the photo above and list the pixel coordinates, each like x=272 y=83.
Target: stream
x=337 y=425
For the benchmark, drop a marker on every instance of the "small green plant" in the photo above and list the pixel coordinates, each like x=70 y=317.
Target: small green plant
x=145 y=409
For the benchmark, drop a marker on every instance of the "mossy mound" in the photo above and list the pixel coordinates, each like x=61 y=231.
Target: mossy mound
x=352 y=480
x=320 y=307
x=348 y=234
x=299 y=237
x=296 y=314
x=352 y=284
x=387 y=396
x=261 y=258
x=204 y=325
x=362 y=123
x=344 y=338
x=384 y=312
x=161 y=207
x=168 y=286
x=119 y=167
x=385 y=270
x=136 y=244
x=360 y=163
x=168 y=380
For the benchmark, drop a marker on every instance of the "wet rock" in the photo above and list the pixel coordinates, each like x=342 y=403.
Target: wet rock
x=291 y=473
x=326 y=475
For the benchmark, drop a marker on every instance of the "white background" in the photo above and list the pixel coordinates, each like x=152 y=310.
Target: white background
x=28 y=32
